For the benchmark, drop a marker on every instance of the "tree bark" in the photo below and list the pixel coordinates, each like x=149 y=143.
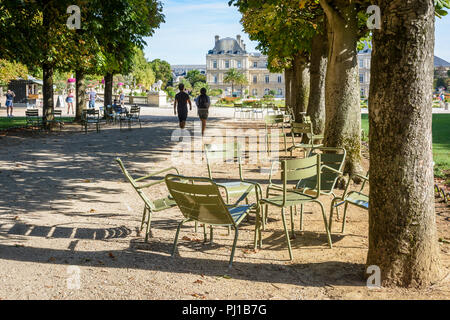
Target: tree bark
x=80 y=94
x=300 y=86
x=318 y=70
x=343 y=112
x=402 y=220
x=288 y=82
x=108 y=96
x=47 y=91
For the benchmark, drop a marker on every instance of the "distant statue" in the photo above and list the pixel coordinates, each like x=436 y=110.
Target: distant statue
x=156 y=87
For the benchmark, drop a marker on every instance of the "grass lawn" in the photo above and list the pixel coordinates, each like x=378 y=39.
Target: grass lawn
x=441 y=143
x=18 y=122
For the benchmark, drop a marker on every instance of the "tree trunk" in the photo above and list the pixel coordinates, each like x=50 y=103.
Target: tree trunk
x=47 y=91
x=300 y=86
x=288 y=82
x=108 y=96
x=343 y=112
x=80 y=94
x=316 y=104
x=402 y=220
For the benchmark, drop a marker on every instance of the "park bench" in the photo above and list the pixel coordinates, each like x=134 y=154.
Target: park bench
x=90 y=116
x=32 y=119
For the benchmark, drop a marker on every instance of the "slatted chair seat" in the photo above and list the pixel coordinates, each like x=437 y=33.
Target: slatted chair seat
x=200 y=201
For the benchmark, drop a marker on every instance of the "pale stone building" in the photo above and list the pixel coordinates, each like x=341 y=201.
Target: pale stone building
x=231 y=53
x=364 y=60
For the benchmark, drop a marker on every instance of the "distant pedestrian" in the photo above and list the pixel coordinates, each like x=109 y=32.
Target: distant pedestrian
x=10 y=95
x=92 y=97
x=180 y=106
x=69 y=101
x=122 y=99
x=203 y=103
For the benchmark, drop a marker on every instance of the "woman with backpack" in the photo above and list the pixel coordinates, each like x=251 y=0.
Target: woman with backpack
x=203 y=102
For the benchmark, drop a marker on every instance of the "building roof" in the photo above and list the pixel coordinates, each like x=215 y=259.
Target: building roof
x=438 y=62
x=227 y=46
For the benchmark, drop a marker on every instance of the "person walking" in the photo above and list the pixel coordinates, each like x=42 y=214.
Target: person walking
x=180 y=106
x=203 y=103
x=69 y=101
x=10 y=95
x=92 y=97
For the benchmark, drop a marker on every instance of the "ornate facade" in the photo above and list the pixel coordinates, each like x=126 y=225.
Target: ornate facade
x=230 y=53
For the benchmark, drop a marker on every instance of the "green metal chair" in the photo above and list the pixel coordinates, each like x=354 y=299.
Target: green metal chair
x=302 y=129
x=199 y=200
x=307 y=119
x=332 y=165
x=276 y=121
x=150 y=206
x=228 y=153
x=357 y=198
x=282 y=196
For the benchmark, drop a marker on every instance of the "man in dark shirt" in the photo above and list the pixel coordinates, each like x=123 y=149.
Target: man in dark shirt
x=180 y=105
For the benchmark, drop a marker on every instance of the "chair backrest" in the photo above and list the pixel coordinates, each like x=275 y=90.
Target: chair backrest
x=32 y=113
x=298 y=169
x=135 y=111
x=331 y=157
x=222 y=153
x=301 y=128
x=274 y=119
x=199 y=199
x=57 y=113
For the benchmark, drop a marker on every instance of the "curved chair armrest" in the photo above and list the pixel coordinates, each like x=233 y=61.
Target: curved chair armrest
x=157 y=173
x=330 y=169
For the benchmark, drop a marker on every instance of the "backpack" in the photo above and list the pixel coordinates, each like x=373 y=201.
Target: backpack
x=203 y=102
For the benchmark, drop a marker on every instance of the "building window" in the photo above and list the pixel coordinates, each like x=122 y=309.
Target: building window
x=280 y=91
x=255 y=92
x=363 y=92
x=227 y=64
x=361 y=78
x=361 y=63
x=239 y=64
x=214 y=64
x=266 y=91
x=255 y=64
x=279 y=79
x=255 y=79
x=215 y=79
x=267 y=78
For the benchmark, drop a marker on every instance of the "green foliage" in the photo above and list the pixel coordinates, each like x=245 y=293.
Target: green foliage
x=198 y=86
x=440 y=82
x=234 y=77
x=142 y=71
x=283 y=28
x=11 y=70
x=440 y=7
x=195 y=76
x=162 y=71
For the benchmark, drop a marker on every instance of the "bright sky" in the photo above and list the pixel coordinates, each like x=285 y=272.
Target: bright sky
x=191 y=25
